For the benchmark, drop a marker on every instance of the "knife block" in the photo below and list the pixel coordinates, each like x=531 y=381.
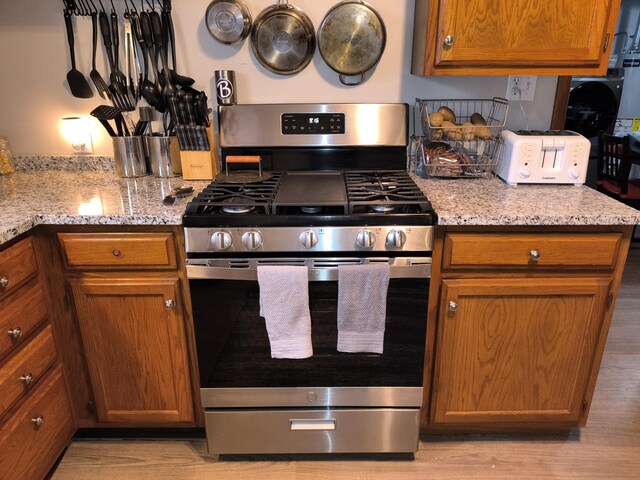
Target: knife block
x=201 y=165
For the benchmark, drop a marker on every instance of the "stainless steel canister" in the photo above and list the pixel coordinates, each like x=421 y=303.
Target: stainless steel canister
x=226 y=87
x=129 y=156
x=164 y=155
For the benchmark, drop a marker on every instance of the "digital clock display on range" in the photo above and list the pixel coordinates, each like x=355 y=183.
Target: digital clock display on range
x=312 y=123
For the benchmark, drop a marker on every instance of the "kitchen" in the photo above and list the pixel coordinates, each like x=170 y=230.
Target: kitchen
x=38 y=29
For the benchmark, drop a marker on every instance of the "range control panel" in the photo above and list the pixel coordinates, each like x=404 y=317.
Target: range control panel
x=312 y=123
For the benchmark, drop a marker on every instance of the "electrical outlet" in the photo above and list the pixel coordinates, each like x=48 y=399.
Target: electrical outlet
x=521 y=87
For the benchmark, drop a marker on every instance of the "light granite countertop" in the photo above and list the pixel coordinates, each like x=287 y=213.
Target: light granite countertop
x=98 y=197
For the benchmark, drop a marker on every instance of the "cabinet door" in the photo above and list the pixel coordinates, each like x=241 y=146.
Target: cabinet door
x=515 y=350
x=134 y=341
x=522 y=32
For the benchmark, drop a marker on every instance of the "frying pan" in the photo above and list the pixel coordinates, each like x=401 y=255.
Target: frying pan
x=351 y=39
x=283 y=38
x=228 y=21
x=244 y=176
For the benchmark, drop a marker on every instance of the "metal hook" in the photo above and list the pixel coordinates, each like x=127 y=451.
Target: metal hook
x=84 y=8
x=152 y=7
x=93 y=8
x=113 y=8
x=101 y=6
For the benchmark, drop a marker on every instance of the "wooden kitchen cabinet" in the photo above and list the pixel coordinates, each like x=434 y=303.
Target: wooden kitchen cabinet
x=518 y=324
x=132 y=323
x=36 y=419
x=502 y=37
x=134 y=341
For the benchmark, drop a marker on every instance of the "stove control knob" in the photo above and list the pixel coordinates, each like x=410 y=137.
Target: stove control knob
x=366 y=238
x=221 y=241
x=252 y=240
x=396 y=238
x=308 y=239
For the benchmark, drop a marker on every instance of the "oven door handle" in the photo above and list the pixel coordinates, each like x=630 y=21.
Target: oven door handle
x=320 y=270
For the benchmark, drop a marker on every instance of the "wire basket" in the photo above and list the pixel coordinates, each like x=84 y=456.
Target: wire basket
x=474 y=132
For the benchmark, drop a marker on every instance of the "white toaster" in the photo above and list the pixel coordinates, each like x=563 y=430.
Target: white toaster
x=556 y=156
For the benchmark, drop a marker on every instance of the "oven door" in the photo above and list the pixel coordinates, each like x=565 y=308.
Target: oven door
x=235 y=364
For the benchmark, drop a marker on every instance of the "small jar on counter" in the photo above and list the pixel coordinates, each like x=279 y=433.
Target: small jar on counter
x=6 y=158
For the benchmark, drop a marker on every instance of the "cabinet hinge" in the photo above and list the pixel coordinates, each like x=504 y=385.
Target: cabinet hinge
x=606 y=42
x=584 y=406
x=91 y=406
x=609 y=299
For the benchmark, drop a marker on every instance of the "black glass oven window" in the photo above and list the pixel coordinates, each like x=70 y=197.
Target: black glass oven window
x=233 y=346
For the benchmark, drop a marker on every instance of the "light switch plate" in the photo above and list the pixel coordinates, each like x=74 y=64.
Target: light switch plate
x=521 y=88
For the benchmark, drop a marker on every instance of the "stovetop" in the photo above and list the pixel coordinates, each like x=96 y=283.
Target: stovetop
x=291 y=198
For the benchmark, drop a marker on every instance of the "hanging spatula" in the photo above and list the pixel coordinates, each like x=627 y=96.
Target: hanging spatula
x=77 y=82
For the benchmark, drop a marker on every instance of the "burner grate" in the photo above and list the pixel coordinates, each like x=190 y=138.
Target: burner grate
x=235 y=198
x=377 y=191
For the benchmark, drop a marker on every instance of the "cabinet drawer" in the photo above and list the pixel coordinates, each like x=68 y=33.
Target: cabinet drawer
x=29 y=451
x=589 y=250
x=119 y=250
x=20 y=314
x=24 y=370
x=17 y=264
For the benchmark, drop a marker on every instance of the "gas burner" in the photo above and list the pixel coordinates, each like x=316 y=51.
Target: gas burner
x=238 y=210
x=311 y=209
x=383 y=208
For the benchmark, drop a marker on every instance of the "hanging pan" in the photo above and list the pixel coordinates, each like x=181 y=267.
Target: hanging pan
x=351 y=39
x=228 y=21
x=283 y=38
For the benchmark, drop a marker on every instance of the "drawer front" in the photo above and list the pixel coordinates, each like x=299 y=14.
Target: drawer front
x=591 y=250
x=24 y=370
x=375 y=430
x=17 y=264
x=29 y=451
x=119 y=250
x=20 y=314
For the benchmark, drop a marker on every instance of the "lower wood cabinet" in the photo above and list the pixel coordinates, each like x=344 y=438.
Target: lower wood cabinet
x=518 y=321
x=134 y=341
x=516 y=350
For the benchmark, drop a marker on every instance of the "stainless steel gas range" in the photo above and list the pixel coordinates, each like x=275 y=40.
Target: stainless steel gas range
x=338 y=195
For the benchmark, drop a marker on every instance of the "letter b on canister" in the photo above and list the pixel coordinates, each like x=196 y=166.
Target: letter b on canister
x=225 y=87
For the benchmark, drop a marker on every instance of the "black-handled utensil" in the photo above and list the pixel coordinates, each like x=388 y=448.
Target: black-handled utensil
x=101 y=86
x=152 y=92
x=180 y=192
x=158 y=40
x=104 y=113
x=167 y=24
x=77 y=82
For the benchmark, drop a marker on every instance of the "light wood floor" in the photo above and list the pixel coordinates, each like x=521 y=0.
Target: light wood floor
x=609 y=448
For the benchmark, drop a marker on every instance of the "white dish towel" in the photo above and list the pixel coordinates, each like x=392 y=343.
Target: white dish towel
x=284 y=304
x=362 y=307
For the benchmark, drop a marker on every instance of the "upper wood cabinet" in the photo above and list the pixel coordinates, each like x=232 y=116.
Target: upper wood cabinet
x=497 y=37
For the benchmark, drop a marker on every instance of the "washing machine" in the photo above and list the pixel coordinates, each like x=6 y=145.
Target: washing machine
x=593 y=106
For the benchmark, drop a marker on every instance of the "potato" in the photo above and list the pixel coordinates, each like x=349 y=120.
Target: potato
x=478 y=119
x=452 y=131
x=435 y=133
x=436 y=119
x=484 y=133
x=468 y=133
x=447 y=114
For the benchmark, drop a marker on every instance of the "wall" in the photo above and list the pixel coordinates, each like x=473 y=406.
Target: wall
x=34 y=57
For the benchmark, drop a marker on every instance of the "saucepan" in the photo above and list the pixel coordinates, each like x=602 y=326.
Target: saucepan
x=351 y=39
x=283 y=38
x=228 y=21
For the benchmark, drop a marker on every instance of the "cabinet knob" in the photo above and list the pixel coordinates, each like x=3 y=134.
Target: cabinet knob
x=15 y=333
x=453 y=306
x=170 y=303
x=116 y=252
x=37 y=421
x=535 y=255
x=4 y=282
x=448 y=40
x=27 y=379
